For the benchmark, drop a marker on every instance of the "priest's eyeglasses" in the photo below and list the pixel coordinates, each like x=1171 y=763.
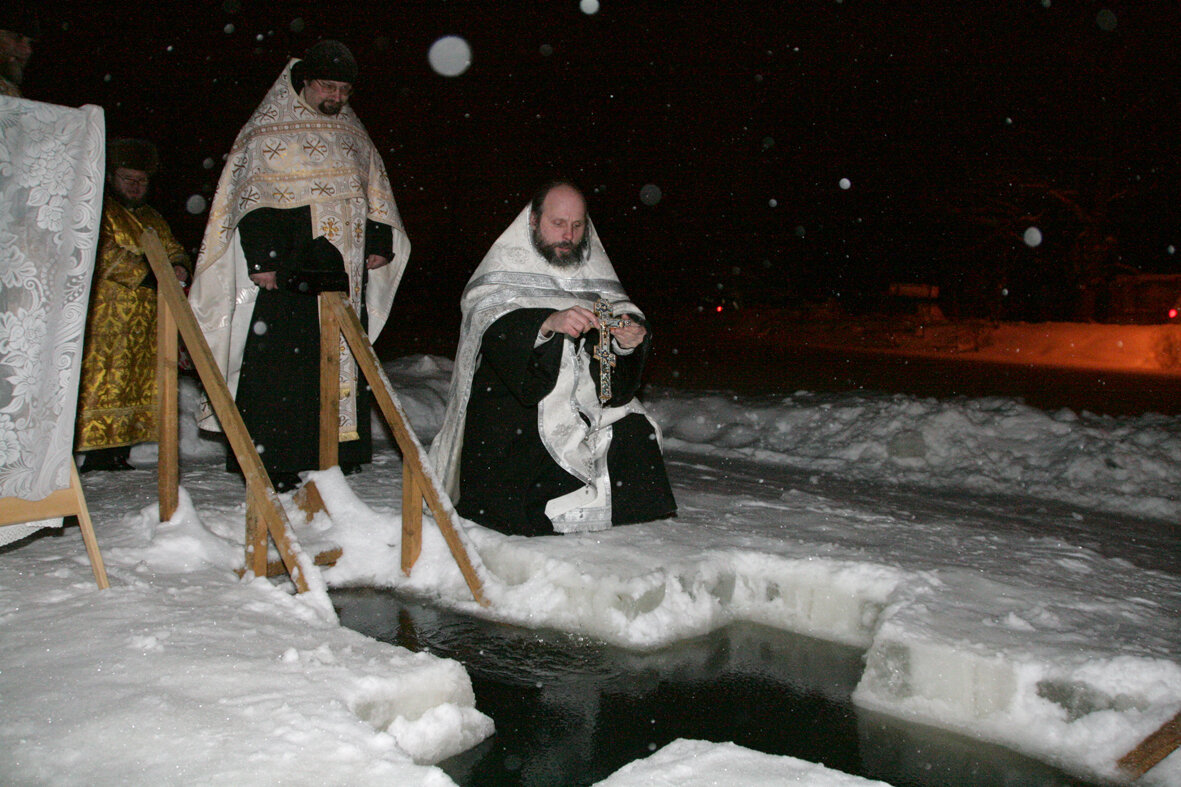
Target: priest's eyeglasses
x=343 y=89
x=132 y=180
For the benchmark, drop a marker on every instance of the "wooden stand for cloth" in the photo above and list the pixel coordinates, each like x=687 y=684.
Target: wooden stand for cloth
x=64 y=502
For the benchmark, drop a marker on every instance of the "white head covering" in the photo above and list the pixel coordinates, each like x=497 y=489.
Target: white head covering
x=289 y=155
x=514 y=275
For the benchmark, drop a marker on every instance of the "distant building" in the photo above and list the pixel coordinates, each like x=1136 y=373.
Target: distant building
x=922 y=299
x=1144 y=298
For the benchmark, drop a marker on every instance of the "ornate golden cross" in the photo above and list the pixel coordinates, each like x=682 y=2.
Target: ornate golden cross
x=607 y=319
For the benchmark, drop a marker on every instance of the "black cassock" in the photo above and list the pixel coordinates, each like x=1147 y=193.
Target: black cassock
x=279 y=387
x=506 y=476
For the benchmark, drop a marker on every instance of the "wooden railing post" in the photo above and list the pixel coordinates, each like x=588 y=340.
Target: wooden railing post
x=260 y=493
x=411 y=519
x=412 y=452
x=167 y=419
x=329 y=385
x=256 y=541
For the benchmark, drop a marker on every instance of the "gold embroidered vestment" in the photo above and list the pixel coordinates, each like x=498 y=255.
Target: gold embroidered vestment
x=117 y=396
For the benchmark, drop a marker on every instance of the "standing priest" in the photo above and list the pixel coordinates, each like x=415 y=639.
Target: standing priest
x=118 y=399
x=543 y=432
x=303 y=204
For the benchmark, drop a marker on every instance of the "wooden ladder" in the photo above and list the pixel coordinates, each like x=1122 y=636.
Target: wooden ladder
x=264 y=513
x=336 y=318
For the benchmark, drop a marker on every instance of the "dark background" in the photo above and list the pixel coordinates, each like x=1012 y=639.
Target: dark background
x=958 y=125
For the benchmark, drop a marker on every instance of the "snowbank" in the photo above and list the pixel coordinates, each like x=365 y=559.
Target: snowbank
x=993 y=445
x=181 y=673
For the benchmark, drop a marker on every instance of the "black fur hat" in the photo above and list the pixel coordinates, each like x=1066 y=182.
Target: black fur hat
x=326 y=60
x=20 y=19
x=139 y=154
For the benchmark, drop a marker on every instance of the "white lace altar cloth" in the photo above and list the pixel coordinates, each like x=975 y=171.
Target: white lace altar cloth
x=51 y=187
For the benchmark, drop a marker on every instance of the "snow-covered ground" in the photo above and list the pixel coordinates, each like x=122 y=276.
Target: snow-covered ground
x=1012 y=574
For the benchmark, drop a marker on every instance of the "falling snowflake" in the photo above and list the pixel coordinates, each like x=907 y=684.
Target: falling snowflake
x=450 y=56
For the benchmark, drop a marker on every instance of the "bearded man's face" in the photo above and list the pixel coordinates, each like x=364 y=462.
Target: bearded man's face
x=559 y=233
x=327 y=96
x=130 y=186
x=561 y=254
x=15 y=51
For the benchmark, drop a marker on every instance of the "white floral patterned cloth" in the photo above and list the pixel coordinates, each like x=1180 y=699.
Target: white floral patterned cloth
x=51 y=186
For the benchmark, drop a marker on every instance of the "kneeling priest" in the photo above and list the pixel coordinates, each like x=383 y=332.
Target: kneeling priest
x=542 y=431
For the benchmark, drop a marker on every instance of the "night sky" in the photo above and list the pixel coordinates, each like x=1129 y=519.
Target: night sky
x=814 y=149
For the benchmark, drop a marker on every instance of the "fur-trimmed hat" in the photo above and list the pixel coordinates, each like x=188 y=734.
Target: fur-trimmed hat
x=326 y=60
x=138 y=154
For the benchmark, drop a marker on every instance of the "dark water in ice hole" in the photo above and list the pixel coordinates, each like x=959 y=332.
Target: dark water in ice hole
x=571 y=710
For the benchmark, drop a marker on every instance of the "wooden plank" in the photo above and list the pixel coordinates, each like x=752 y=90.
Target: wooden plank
x=15 y=510
x=411 y=519
x=309 y=500
x=87 y=528
x=258 y=484
x=283 y=536
x=168 y=419
x=256 y=541
x=323 y=559
x=1153 y=749
x=62 y=503
x=327 y=557
x=412 y=453
x=329 y=385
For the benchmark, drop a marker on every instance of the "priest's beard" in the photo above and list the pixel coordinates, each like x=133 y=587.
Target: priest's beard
x=330 y=107
x=566 y=256
x=12 y=69
x=127 y=202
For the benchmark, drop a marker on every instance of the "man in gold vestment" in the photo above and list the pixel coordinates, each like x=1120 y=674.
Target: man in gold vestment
x=118 y=398
x=18 y=30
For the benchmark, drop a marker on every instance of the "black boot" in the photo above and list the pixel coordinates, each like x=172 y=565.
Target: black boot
x=107 y=459
x=285 y=482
